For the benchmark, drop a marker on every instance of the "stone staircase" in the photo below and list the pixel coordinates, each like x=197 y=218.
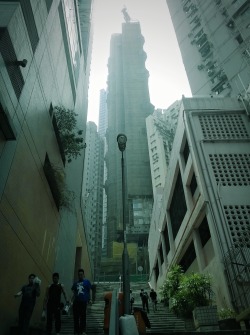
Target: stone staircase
x=94 y=320
x=162 y=321
x=95 y=313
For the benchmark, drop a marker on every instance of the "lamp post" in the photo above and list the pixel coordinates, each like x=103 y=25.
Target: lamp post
x=121 y=140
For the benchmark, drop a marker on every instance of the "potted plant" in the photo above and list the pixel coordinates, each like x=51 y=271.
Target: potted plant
x=171 y=295
x=191 y=297
x=69 y=137
x=227 y=319
x=171 y=284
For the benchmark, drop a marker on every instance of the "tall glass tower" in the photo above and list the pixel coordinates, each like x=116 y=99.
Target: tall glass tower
x=128 y=105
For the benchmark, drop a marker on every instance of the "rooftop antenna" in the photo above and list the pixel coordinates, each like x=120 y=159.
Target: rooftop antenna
x=127 y=18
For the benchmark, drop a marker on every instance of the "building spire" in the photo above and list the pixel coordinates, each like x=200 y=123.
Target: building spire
x=127 y=18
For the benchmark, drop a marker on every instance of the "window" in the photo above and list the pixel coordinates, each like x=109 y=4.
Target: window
x=204 y=231
x=57 y=133
x=193 y=185
x=50 y=174
x=185 y=152
x=156 y=271
x=239 y=39
x=10 y=60
x=5 y=126
x=178 y=206
x=48 y=4
x=188 y=257
x=161 y=254
x=166 y=239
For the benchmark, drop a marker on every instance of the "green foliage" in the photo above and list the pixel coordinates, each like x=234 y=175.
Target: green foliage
x=172 y=282
x=186 y=291
x=70 y=136
x=226 y=313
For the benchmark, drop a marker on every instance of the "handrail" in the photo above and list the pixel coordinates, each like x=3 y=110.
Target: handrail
x=114 y=318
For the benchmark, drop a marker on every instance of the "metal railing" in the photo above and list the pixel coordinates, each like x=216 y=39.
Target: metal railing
x=114 y=315
x=114 y=278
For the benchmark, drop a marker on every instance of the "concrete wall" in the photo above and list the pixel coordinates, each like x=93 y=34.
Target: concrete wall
x=35 y=236
x=210 y=257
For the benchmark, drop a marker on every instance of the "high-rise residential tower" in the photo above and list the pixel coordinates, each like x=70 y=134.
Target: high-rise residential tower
x=161 y=126
x=102 y=127
x=128 y=106
x=214 y=40
x=93 y=194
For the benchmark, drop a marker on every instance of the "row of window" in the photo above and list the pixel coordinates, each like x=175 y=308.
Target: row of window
x=190 y=254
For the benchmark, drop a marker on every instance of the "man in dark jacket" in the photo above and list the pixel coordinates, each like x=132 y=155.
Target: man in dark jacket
x=144 y=298
x=153 y=296
x=52 y=303
x=28 y=293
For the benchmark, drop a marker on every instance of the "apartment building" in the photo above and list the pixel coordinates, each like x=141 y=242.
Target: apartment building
x=203 y=221
x=161 y=126
x=214 y=39
x=92 y=194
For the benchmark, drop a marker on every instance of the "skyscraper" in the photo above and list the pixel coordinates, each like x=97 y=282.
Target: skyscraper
x=128 y=106
x=93 y=194
x=102 y=127
x=214 y=40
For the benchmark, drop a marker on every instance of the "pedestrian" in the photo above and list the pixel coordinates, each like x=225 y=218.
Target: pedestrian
x=52 y=303
x=153 y=297
x=144 y=298
x=28 y=292
x=81 y=297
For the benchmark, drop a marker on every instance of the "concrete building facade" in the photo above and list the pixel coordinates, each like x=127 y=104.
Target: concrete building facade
x=214 y=39
x=128 y=105
x=203 y=223
x=44 y=63
x=161 y=126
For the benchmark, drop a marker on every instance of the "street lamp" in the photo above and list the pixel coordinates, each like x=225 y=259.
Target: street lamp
x=121 y=140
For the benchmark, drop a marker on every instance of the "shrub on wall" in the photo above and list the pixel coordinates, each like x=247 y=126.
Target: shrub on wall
x=70 y=136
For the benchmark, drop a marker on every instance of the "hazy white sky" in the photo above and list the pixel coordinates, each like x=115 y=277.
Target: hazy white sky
x=167 y=80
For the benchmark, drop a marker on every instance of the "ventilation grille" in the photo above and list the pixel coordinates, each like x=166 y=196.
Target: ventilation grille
x=231 y=169
x=226 y=126
x=238 y=219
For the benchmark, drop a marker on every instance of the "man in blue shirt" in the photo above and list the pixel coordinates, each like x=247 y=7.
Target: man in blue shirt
x=81 y=297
